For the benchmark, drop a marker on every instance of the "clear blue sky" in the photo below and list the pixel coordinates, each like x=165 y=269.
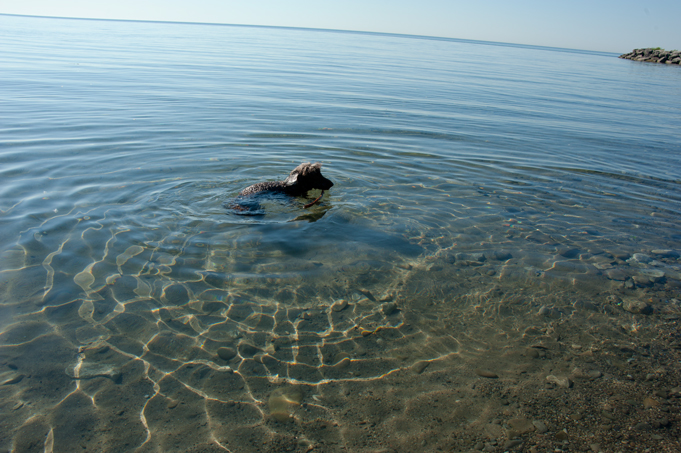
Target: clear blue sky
x=608 y=25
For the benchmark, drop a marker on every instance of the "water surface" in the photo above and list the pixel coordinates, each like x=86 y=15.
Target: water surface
x=488 y=199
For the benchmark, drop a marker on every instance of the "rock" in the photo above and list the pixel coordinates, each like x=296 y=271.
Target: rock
x=14 y=380
x=549 y=312
x=562 y=436
x=340 y=305
x=639 y=258
x=608 y=415
x=641 y=281
x=511 y=444
x=660 y=393
x=521 y=425
x=389 y=308
x=623 y=256
x=579 y=373
x=533 y=353
x=665 y=253
x=616 y=274
x=500 y=255
x=649 y=402
x=568 y=253
x=653 y=275
x=613 y=299
x=418 y=367
x=594 y=374
x=540 y=426
x=89 y=370
x=652 y=55
x=663 y=422
x=585 y=305
x=470 y=257
x=559 y=381
x=226 y=353
x=636 y=306
x=247 y=350
x=486 y=373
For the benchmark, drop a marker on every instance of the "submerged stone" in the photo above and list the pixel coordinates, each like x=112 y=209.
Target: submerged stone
x=559 y=381
x=340 y=305
x=283 y=401
x=389 y=308
x=636 y=306
x=486 y=373
x=226 y=353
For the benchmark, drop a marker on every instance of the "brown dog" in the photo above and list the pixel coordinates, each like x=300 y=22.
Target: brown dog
x=303 y=178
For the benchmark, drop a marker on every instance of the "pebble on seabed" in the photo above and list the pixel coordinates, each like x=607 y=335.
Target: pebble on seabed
x=559 y=381
x=486 y=373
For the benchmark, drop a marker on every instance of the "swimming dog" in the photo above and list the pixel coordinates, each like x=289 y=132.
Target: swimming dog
x=302 y=179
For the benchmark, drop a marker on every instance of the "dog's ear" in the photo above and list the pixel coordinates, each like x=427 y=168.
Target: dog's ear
x=292 y=178
x=309 y=169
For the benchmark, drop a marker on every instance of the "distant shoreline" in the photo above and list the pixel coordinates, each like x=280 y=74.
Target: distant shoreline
x=654 y=55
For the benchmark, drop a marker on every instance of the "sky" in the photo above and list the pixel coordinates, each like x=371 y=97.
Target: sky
x=604 y=25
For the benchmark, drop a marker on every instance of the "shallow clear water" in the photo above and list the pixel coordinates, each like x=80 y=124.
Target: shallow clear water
x=481 y=191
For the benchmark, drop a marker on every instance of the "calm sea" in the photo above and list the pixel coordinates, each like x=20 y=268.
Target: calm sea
x=481 y=190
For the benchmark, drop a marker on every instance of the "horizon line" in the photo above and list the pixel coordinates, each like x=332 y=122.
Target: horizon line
x=333 y=30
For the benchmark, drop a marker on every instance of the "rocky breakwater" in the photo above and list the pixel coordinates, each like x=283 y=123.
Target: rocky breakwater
x=654 y=55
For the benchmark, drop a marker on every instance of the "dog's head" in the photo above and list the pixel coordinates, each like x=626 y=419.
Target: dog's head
x=307 y=176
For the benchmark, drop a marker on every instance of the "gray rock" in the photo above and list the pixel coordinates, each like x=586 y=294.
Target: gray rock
x=479 y=257
x=247 y=350
x=486 y=373
x=613 y=299
x=584 y=305
x=501 y=255
x=665 y=253
x=651 y=55
x=226 y=353
x=559 y=381
x=540 y=426
x=550 y=312
x=513 y=444
x=340 y=305
x=616 y=274
x=568 y=253
x=636 y=306
x=640 y=258
x=642 y=281
x=389 y=308
x=654 y=275
x=521 y=425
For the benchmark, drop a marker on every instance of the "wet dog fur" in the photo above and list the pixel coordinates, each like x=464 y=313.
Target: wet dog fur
x=300 y=181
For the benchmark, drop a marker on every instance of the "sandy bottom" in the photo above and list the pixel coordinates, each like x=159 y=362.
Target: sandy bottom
x=449 y=353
